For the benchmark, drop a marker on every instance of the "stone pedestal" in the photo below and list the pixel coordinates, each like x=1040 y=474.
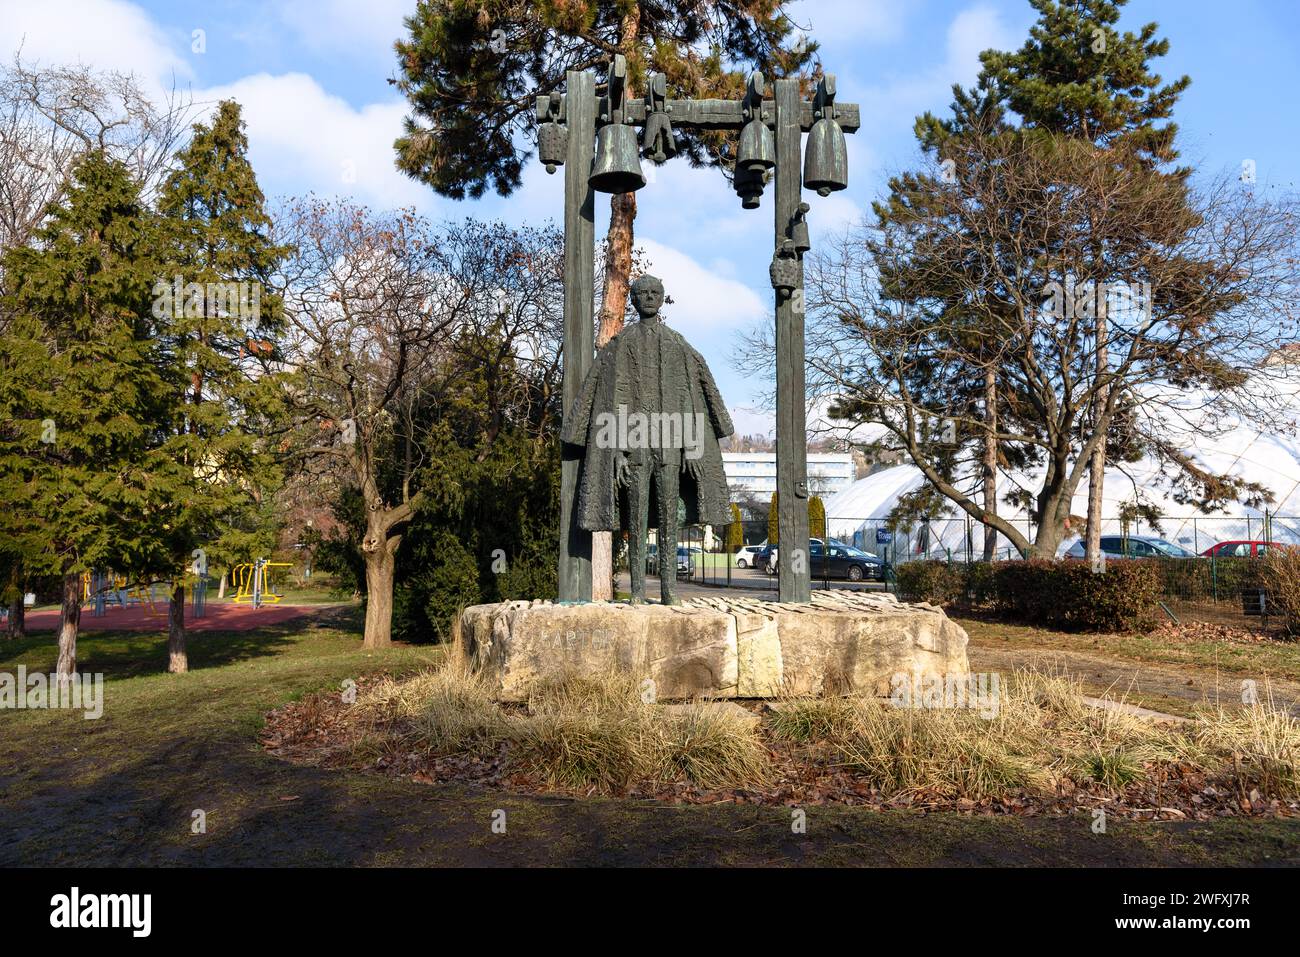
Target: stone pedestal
x=842 y=642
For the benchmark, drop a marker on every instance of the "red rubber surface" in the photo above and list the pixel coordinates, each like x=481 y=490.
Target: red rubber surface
x=219 y=616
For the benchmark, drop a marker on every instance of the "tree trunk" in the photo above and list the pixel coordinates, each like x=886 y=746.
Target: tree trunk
x=618 y=270
x=618 y=266
x=17 y=624
x=380 y=565
x=221 y=588
x=70 y=621
x=178 y=661
x=989 y=467
x=1097 y=465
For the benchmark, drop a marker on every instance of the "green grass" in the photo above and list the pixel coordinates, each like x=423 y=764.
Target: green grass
x=120 y=791
x=1280 y=659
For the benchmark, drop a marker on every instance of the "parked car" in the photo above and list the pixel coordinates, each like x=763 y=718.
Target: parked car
x=686 y=555
x=1132 y=546
x=746 y=556
x=1237 y=548
x=844 y=561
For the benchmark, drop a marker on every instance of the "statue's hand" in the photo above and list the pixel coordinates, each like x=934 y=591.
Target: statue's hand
x=692 y=468
x=621 y=470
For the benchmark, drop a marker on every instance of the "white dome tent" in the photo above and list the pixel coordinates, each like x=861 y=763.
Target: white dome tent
x=1271 y=460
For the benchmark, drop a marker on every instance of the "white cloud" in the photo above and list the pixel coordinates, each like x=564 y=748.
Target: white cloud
x=106 y=34
x=704 y=300
x=302 y=139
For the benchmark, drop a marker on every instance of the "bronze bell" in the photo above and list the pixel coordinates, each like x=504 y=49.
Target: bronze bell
x=749 y=186
x=617 y=168
x=552 y=144
x=658 y=137
x=799 y=229
x=757 y=150
x=826 y=160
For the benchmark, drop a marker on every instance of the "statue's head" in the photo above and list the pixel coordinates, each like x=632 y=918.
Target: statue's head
x=647 y=296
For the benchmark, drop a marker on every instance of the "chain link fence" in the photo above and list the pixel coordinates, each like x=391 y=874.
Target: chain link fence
x=1219 y=583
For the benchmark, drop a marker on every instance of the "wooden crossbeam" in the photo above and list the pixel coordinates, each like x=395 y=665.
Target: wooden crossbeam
x=711 y=114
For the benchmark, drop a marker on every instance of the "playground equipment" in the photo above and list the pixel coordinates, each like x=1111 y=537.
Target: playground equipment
x=252 y=582
x=104 y=588
x=199 y=596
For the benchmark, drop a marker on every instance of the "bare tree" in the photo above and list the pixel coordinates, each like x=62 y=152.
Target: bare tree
x=50 y=115
x=377 y=305
x=996 y=270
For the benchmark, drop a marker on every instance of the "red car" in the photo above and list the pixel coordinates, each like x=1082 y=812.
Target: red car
x=1241 y=548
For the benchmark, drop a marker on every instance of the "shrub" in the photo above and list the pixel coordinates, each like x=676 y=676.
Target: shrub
x=1279 y=576
x=932 y=581
x=1067 y=594
x=980 y=582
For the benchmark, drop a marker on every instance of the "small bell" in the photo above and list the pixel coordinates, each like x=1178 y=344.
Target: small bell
x=749 y=186
x=552 y=144
x=658 y=138
x=617 y=168
x=799 y=229
x=826 y=158
x=757 y=149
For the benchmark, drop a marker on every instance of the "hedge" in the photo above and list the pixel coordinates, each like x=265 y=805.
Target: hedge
x=1063 y=594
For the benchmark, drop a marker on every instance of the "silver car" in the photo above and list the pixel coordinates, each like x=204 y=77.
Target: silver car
x=1132 y=546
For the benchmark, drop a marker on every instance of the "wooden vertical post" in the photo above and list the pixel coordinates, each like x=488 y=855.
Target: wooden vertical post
x=579 y=292
x=793 y=566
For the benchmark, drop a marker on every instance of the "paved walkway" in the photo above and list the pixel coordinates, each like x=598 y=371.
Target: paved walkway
x=220 y=616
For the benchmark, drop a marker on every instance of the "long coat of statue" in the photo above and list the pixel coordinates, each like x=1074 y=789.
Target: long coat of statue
x=648 y=368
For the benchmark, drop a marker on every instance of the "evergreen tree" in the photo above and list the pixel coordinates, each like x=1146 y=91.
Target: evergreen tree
x=735 y=530
x=1078 y=97
x=223 y=323
x=817 y=518
x=86 y=473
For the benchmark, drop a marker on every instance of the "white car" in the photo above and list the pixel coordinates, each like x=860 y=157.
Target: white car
x=745 y=556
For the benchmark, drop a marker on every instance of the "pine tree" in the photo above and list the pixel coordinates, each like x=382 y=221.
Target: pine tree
x=1077 y=76
x=85 y=391
x=1076 y=83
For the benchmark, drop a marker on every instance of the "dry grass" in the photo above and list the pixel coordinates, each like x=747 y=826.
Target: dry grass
x=1042 y=735
x=596 y=734
x=1258 y=745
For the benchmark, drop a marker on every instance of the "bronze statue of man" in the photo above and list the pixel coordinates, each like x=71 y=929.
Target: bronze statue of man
x=650 y=417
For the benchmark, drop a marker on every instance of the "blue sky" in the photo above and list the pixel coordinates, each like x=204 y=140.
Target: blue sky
x=312 y=74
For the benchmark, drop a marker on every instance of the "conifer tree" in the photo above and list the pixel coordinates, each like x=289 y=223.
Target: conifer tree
x=222 y=322
x=86 y=387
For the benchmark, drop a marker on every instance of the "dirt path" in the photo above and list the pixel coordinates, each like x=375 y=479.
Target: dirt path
x=1143 y=681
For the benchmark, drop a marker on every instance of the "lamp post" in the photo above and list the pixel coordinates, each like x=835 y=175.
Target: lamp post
x=770 y=144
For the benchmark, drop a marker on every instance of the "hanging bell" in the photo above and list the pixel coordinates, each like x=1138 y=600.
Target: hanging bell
x=757 y=150
x=749 y=187
x=552 y=144
x=826 y=159
x=660 y=144
x=617 y=168
x=799 y=229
